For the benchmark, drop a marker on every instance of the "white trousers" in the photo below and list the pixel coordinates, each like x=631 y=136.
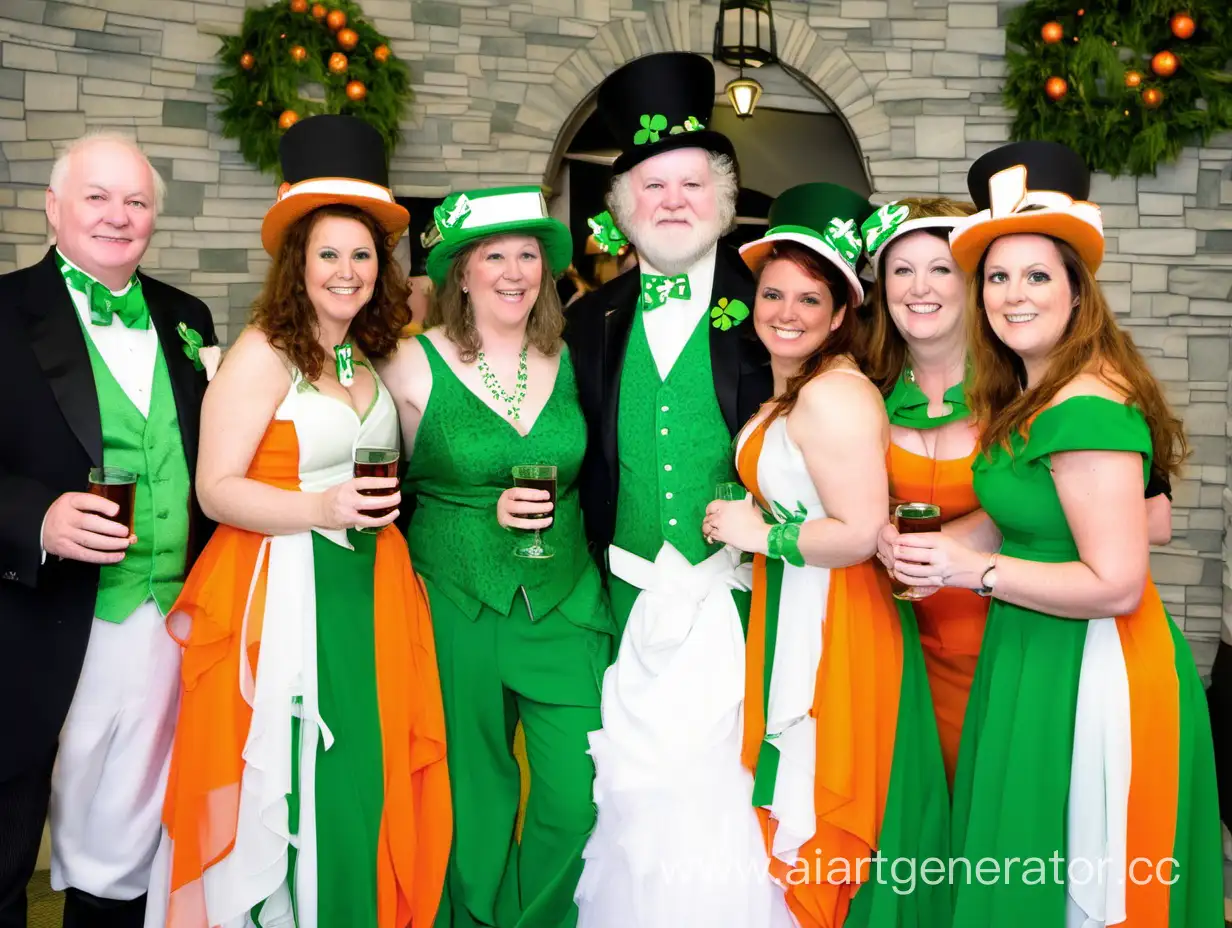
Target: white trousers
x=111 y=770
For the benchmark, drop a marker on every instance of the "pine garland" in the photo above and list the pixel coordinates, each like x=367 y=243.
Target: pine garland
x=1100 y=117
x=254 y=98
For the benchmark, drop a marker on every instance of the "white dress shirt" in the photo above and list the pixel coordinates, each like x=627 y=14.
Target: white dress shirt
x=669 y=327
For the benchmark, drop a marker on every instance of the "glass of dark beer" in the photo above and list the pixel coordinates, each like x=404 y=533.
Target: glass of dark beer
x=911 y=519
x=536 y=477
x=119 y=486
x=376 y=462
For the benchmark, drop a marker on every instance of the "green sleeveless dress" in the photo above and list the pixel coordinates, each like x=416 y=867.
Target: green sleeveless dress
x=516 y=639
x=1087 y=746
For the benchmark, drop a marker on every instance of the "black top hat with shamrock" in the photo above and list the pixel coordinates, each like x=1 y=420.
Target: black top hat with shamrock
x=658 y=103
x=824 y=218
x=332 y=159
x=1036 y=188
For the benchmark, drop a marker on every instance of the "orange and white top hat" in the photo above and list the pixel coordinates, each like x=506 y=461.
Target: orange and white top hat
x=327 y=160
x=1037 y=188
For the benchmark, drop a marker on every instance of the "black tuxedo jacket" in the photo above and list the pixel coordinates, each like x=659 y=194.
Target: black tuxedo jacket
x=597 y=332
x=50 y=436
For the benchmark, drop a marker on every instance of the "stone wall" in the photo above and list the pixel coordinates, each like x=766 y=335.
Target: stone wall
x=917 y=81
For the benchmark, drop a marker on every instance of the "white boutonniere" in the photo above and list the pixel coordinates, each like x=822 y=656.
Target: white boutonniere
x=210 y=357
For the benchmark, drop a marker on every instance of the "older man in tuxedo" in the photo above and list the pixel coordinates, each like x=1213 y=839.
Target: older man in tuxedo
x=102 y=368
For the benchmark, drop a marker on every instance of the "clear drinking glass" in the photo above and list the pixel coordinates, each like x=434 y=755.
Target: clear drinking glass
x=119 y=486
x=376 y=462
x=730 y=491
x=911 y=519
x=536 y=477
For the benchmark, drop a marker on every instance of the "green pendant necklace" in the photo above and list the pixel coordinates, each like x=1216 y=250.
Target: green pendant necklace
x=512 y=402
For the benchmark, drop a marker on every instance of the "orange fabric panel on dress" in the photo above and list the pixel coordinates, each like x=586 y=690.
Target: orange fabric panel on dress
x=277 y=459
x=856 y=705
x=417 y=820
x=1154 y=709
x=755 y=638
x=201 y=805
x=951 y=620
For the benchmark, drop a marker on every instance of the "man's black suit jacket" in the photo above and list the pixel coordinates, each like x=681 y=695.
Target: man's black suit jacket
x=597 y=333
x=50 y=436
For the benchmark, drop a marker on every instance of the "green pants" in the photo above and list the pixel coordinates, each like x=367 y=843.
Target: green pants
x=496 y=670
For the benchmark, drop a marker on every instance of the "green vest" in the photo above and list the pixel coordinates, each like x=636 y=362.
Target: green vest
x=673 y=448
x=458 y=469
x=151 y=448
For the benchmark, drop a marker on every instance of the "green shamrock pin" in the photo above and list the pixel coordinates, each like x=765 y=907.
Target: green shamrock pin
x=192 y=344
x=651 y=127
x=728 y=313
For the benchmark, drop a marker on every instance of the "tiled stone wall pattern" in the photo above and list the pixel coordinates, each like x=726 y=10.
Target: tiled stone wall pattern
x=917 y=80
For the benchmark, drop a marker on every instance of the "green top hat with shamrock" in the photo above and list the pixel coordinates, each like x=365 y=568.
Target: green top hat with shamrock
x=826 y=219
x=467 y=217
x=658 y=103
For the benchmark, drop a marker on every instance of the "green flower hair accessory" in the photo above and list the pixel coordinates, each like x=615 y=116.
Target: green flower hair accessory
x=652 y=125
x=728 y=314
x=605 y=233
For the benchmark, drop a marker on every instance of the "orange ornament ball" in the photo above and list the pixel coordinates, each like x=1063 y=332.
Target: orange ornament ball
x=1152 y=97
x=1056 y=88
x=1183 y=25
x=335 y=20
x=381 y=53
x=288 y=119
x=318 y=11
x=247 y=61
x=348 y=38
x=1052 y=33
x=1133 y=78
x=337 y=62
x=1165 y=64
x=356 y=91
x=299 y=6
x=298 y=53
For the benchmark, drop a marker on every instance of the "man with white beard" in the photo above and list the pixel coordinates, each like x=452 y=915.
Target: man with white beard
x=667 y=375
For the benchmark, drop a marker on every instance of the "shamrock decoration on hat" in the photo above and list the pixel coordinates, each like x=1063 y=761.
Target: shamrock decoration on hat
x=659 y=103
x=891 y=222
x=825 y=218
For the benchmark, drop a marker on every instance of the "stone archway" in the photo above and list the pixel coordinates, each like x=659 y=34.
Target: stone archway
x=556 y=109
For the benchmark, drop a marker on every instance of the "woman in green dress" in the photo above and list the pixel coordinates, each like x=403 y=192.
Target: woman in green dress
x=1085 y=775
x=489 y=387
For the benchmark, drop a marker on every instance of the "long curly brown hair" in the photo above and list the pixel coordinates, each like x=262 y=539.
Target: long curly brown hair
x=450 y=308
x=840 y=342
x=883 y=347
x=1000 y=402
x=289 y=320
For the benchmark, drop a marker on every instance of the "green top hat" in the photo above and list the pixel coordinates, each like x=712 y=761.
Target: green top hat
x=465 y=218
x=824 y=218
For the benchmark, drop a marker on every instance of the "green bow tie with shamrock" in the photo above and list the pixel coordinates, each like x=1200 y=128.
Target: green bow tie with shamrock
x=657 y=290
x=129 y=306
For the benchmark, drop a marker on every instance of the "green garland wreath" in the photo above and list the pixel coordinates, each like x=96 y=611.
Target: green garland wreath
x=260 y=80
x=1107 y=122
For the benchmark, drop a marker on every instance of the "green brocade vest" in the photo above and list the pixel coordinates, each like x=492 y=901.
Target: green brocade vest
x=673 y=448
x=151 y=448
x=461 y=463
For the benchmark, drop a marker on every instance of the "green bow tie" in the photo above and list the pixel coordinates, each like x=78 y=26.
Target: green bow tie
x=657 y=290
x=130 y=306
